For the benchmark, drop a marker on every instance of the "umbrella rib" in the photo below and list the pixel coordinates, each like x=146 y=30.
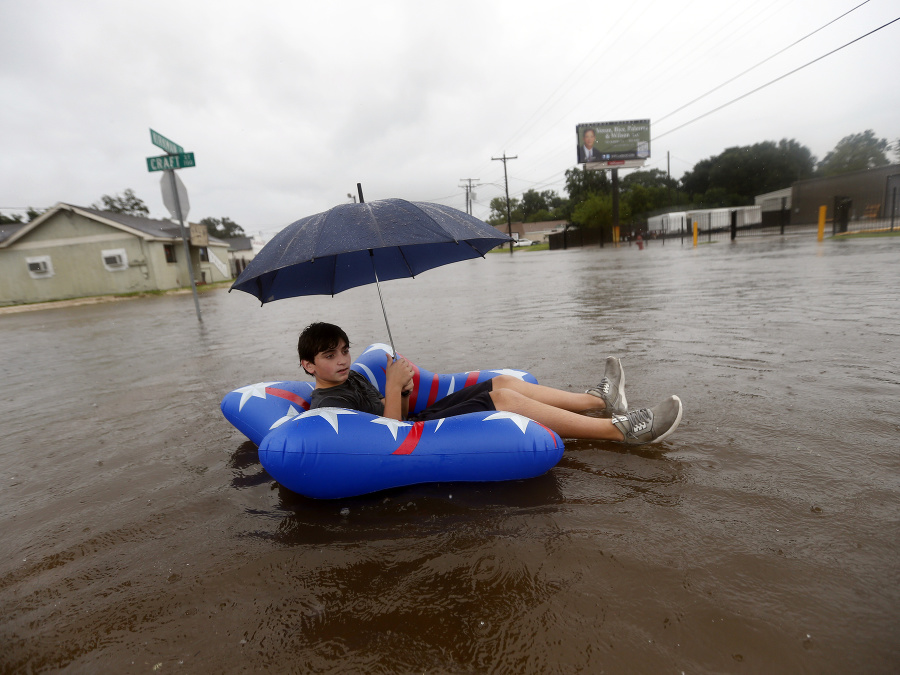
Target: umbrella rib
x=405 y=262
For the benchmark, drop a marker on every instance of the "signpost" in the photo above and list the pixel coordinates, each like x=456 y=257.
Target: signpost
x=176 y=158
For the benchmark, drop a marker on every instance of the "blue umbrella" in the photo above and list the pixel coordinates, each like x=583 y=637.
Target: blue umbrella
x=353 y=245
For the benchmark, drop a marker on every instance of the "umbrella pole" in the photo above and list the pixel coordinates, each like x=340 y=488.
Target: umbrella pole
x=383 y=311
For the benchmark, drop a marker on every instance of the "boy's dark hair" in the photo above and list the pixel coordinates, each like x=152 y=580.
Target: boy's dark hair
x=319 y=337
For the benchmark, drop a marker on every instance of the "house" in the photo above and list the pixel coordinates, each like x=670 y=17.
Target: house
x=537 y=232
x=72 y=251
x=241 y=250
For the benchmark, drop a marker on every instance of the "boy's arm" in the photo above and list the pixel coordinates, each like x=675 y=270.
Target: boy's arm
x=398 y=378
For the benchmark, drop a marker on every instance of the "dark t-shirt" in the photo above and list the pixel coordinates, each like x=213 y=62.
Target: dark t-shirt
x=357 y=393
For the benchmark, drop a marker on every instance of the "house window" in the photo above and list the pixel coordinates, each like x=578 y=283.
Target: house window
x=115 y=259
x=170 y=252
x=204 y=254
x=39 y=266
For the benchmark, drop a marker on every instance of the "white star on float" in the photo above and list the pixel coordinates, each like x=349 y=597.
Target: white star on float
x=391 y=424
x=258 y=390
x=330 y=415
x=520 y=374
x=290 y=414
x=519 y=420
x=379 y=346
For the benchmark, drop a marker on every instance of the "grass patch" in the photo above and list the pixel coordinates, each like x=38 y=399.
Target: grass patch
x=521 y=249
x=866 y=235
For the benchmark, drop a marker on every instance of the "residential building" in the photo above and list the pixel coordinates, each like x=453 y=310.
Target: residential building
x=73 y=251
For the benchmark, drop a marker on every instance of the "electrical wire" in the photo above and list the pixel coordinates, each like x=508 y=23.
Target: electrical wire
x=777 y=79
x=766 y=60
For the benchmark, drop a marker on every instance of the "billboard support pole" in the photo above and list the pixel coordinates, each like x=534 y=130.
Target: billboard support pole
x=615 y=200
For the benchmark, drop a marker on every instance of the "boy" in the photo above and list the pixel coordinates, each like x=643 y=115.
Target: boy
x=324 y=351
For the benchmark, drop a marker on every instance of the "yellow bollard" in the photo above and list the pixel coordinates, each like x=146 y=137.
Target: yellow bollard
x=616 y=235
x=822 y=211
x=695 y=233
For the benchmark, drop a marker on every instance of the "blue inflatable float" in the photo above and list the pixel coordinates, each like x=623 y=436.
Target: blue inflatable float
x=329 y=453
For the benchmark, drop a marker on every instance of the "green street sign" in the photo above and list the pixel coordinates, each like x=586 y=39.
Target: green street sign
x=184 y=160
x=161 y=141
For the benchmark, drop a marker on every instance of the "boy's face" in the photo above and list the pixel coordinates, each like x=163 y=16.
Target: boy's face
x=330 y=367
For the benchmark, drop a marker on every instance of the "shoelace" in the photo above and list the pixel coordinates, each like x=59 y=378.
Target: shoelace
x=638 y=419
x=604 y=387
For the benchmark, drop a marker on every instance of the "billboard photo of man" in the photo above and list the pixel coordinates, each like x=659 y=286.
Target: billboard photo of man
x=586 y=150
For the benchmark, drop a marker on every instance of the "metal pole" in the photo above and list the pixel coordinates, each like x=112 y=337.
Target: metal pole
x=893 y=207
x=615 y=205
x=377 y=283
x=184 y=239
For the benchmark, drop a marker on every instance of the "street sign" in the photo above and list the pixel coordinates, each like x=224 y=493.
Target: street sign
x=184 y=160
x=161 y=141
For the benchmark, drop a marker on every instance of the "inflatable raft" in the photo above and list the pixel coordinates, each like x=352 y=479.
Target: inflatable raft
x=329 y=453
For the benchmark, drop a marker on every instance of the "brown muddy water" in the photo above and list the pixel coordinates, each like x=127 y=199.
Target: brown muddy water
x=140 y=534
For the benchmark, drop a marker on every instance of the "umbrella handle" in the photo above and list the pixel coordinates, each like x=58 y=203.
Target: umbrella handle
x=377 y=284
x=383 y=311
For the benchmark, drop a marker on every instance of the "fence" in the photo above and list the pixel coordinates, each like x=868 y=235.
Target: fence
x=724 y=225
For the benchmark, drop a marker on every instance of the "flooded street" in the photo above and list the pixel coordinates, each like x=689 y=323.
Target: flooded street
x=141 y=534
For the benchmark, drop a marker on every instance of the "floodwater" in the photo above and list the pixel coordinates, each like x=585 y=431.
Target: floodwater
x=140 y=534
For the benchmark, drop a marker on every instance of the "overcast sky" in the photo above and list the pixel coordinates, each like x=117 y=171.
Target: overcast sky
x=288 y=105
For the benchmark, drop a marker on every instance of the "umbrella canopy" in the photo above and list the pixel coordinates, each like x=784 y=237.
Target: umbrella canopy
x=357 y=244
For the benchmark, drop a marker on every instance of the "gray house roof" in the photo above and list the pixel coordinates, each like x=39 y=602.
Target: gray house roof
x=148 y=228
x=9 y=229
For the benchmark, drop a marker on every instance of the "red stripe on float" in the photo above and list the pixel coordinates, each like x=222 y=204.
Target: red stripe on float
x=411 y=441
x=472 y=378
x=432 y=395
x=549 y=431
x=288 y=395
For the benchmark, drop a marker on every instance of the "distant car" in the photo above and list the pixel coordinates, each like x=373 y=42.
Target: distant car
x=523 y=242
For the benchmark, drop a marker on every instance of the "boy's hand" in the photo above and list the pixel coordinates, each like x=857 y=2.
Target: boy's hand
x=398 y=378
x=398 y=374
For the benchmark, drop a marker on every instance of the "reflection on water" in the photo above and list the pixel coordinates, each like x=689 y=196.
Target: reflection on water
x=141 y=532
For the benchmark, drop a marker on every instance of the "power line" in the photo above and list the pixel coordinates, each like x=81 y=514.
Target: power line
x=781 y=51
x=777 y=79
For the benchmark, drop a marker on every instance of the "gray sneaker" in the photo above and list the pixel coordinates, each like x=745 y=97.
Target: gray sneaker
x=612 y=387
x=647 y=425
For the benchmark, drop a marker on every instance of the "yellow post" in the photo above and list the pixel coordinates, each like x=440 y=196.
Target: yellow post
x=695 y=233
x=616 y=235
x=822 y=211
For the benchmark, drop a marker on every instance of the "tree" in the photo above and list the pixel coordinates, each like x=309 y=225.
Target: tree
x=582 y=183
x=597 y=211
x=738 y=174
x=31 y=213
x=498 y=211
x=654 y=178
x=128 y=203
x=539 y=206
x=855 y=153
x=223 y=228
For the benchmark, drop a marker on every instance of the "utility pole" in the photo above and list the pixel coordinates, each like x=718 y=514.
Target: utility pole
x=470 y=197
x=504 y=159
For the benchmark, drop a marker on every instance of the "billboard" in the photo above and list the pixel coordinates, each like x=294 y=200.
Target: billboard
x=615 y=142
